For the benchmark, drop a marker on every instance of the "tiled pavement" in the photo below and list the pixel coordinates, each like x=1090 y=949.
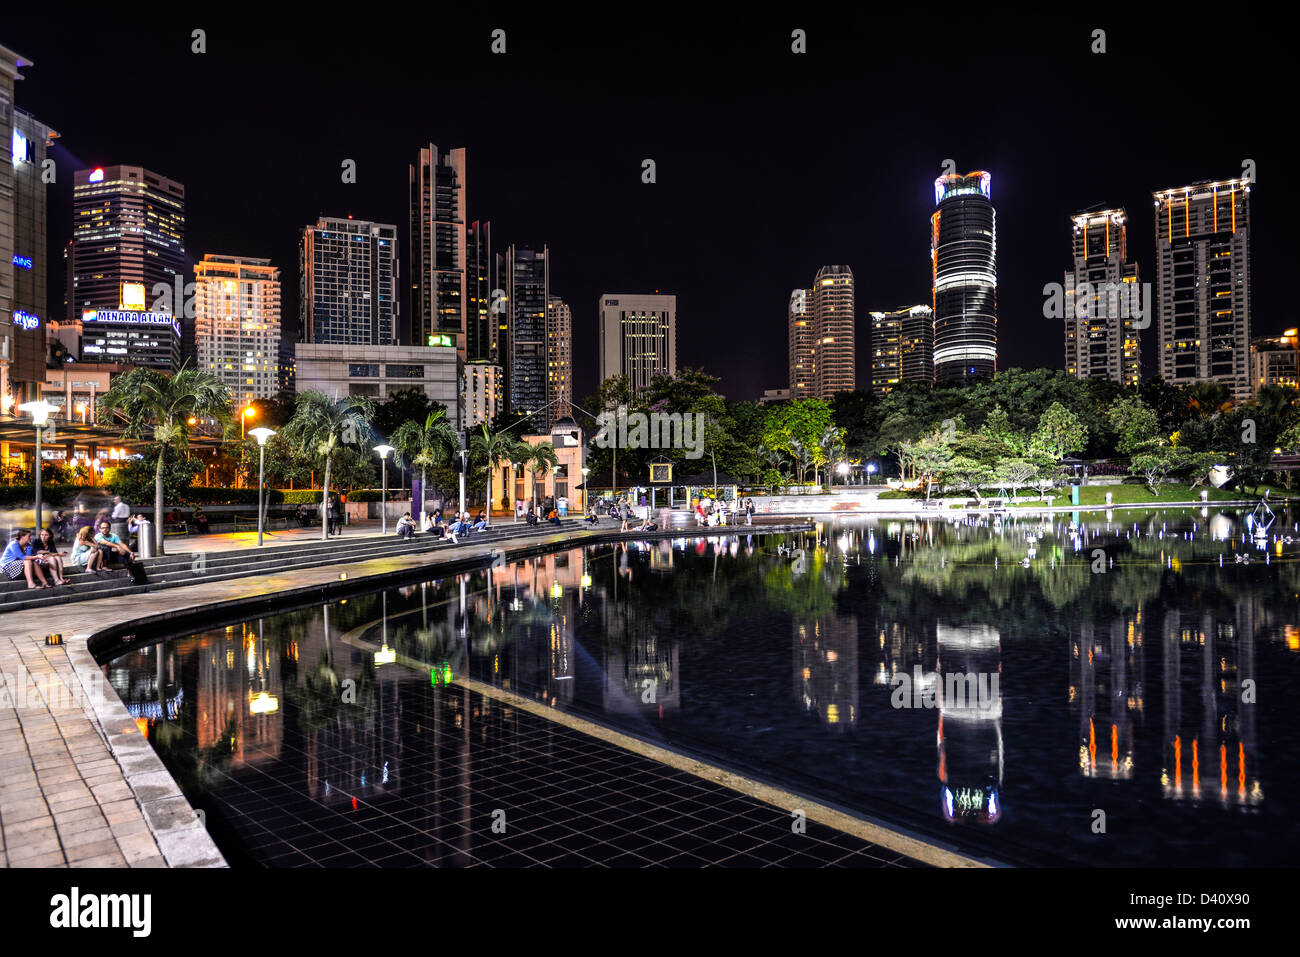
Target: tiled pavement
x=479 y=782
x=64 y=800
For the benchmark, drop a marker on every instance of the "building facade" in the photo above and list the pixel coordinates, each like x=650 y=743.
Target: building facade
x=347 y=289
x=902 y=348
x=23 y=336
x=638 y=337
x=964 y=278
x=379 y=371
x=559 y=359
x=528 y=290
x=485 y=305
x=237 y=324
x=1275 y=360
x=438 y=289
x=1203 y=284
x=799 y=321
x=481 y=387
x=148 y=339
x=834 y=359
x=1101 y=325
x=128 y=242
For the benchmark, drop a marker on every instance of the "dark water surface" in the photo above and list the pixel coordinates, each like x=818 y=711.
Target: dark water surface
x=1114 y=693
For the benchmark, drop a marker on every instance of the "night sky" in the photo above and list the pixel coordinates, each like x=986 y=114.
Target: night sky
x=769 y=164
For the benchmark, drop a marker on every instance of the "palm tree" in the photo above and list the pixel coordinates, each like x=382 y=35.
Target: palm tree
x=322 y=425
x=1207 y=399
x=830 y=446
x=427 y=445
x=540 y=459
x=493 y=447
x=803 y=458
x=154 y=401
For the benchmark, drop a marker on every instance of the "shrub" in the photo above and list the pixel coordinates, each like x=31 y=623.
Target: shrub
x=25 y=495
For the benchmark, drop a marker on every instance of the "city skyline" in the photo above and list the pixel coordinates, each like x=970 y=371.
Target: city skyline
x=581 y=205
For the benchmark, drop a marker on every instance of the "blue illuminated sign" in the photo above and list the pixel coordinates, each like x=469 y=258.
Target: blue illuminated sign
x=23 y=262
x=26 y=320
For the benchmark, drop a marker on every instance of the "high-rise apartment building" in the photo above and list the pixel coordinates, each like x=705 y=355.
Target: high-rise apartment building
x=964 y=284
x=902 y=348
x=485 y=303
x=559 y=359
x=1103 y=303
x=347 y=283
x=1275 y=361
x=128 y=242
x=638 y=337
x=834 y=359
x=438 y=280
x=1203 y=284
x=481 y=397
x=799 y=320
x=237 y=324
x=528 y=290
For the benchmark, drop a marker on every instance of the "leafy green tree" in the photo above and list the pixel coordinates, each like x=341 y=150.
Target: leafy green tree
x=427 y=443
x=1154 y=464
x=323 y=426
x=401 y=406
x=1134 y=424
x=1059 y=433
x=153 y=402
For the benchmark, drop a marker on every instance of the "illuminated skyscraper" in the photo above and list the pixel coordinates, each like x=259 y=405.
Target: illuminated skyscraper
x=963 y=260
x=559 y=359
x=1101 y=328
x=528 y=288
x=638 y=337
x=485 y=305
x=438 y=203
x=1203 y=288
x=834 y=360
x=237 y=324
x=128 y=241
x=799 y=316
x=348 y=283
x=902 y=348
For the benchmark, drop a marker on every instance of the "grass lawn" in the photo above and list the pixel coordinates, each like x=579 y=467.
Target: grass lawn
x=1140 y=494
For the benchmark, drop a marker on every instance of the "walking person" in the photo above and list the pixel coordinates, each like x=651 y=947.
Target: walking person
x=749 y=511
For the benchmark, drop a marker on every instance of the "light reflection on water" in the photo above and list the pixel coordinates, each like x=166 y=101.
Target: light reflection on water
x=1003 y=685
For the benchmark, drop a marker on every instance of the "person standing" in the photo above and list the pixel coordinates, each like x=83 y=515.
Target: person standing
x=564 y=506
x=121 y=516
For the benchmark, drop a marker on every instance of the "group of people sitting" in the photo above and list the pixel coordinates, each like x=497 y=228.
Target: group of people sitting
x=39 y=557
x=628 y=519
x=461 y=524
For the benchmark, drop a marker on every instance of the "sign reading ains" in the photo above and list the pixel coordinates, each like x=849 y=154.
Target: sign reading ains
x=131 y=316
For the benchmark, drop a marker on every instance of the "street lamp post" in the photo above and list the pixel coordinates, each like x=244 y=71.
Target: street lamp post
x=585 y=491
x=261 y=434
x=40 y=413
x=871 y=470
x=383 y=451
x=514 y=474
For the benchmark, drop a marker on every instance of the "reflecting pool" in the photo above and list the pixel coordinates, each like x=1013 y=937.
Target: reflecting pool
x=1095 y=689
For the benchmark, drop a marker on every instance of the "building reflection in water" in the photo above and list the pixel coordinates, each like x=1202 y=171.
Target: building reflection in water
x=1209 y=719
x=969 y=691
x=1106 y=686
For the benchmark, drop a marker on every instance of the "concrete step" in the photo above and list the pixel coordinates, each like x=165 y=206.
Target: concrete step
x=163 y=572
